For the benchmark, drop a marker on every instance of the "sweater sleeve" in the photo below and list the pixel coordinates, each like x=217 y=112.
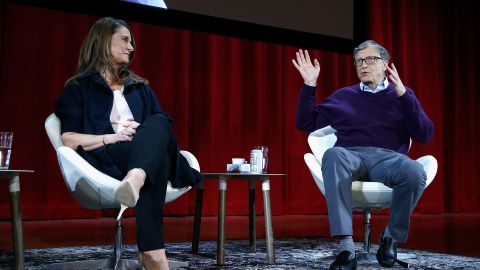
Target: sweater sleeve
x=309 y=118
x=419 y=126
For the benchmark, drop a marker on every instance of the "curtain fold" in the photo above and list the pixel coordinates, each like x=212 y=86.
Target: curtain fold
x=435 y=48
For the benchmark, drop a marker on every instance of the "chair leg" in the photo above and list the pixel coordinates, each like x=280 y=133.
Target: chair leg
x=197 y=218
x=366 y=255
x=366 y=230
x=116 y=262
x=117 y=246
x=113 y=263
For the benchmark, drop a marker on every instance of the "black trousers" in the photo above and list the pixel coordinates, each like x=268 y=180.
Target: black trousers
x=155 y=150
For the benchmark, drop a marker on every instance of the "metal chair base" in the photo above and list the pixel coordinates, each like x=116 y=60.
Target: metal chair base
x=324 y=257
x=406 y=256
x=372 y=257
x=123 y=264
x=115 y=262
x=361 y=257
x=96 y=264
x=365 y=257
x=177 y=264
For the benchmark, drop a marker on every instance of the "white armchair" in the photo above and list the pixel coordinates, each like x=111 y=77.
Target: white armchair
x=94 y=190
x=367 y=196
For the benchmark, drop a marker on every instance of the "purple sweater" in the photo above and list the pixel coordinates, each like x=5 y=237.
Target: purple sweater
x=366 y=119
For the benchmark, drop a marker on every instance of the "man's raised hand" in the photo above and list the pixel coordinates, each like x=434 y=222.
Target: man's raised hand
x=308 y=70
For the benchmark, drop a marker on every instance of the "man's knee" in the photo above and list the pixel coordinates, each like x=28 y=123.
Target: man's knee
x=333 y=155
x=336 y=164
x=414 y=174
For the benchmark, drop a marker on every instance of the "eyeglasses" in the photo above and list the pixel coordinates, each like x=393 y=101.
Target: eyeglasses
x=370 y=60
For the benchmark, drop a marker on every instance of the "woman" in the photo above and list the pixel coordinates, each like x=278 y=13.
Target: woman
x=112 y=118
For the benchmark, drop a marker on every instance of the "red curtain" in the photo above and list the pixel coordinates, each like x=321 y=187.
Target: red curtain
x=434 y=45
x=228 y=95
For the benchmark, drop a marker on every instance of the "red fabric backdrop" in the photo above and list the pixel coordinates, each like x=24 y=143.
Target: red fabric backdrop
x=435 y=48
x=228 y=95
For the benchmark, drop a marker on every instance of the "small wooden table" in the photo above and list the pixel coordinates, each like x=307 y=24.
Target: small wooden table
x=222 y=190
x=14 y=177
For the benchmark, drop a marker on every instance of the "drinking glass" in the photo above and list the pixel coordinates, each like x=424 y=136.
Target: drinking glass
x=6 y=139
x=264 y=150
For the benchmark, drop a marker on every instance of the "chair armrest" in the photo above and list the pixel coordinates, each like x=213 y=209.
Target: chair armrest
x=76 y=170
x=191 y=159
x=90 y=187
x=321 y=140
x=323 y=131
x=315 y=169
x=430 y=165
x=74 y=166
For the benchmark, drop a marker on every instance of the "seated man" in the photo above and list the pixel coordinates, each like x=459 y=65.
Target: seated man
x=375 y=120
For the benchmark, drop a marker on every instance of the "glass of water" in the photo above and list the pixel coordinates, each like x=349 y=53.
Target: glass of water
x=264 y=150
x=6 y=139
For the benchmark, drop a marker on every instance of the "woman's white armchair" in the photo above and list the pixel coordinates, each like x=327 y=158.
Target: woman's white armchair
x=94 y=190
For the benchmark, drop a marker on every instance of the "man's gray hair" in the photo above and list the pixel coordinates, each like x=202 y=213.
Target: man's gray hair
x=371 y=43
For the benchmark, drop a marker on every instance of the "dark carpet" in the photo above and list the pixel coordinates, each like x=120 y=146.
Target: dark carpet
x=289 y=253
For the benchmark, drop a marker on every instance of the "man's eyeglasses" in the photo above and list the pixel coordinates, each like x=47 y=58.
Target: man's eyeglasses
x=370 y=60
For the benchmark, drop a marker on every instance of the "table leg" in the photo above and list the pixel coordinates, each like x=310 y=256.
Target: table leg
x=197 y=220
x=17 y=222
x=222 y=192
x=268 y=220
x=251 y=211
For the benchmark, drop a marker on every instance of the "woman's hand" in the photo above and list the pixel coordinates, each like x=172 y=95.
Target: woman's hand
x=129 y=128
x=90 y=142
x=114 y=138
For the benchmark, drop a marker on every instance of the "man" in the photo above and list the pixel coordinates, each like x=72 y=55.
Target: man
x=374 y=122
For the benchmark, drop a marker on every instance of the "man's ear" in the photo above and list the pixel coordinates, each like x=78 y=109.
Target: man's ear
x=385 y=64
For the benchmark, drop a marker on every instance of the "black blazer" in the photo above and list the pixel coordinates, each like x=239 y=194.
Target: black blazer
x=85 y=106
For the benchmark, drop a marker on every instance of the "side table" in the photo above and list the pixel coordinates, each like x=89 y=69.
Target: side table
x=222 y=190
x=14 y=177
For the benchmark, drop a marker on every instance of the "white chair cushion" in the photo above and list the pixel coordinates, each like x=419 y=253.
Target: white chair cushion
x=365 y=195
x=90 y=187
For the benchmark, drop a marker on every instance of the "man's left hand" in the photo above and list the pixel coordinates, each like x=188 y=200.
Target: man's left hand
x=395 y=79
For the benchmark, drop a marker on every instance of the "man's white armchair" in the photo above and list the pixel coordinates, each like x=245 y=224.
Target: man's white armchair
x=94 y=190
x=367 y=196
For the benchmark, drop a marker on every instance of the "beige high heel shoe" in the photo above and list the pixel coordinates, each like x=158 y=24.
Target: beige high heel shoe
x=154 y=259
x=128 y=192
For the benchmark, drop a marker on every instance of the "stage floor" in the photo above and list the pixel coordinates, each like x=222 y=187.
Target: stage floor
x=290 y=253
x=456 y=234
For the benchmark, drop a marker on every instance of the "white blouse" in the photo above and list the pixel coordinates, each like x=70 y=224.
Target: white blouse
x=120 y=111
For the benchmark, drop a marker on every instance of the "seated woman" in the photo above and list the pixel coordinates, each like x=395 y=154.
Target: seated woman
x=113 y=119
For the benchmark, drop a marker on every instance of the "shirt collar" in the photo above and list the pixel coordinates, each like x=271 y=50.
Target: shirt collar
x=382 y=86
x=99 y=79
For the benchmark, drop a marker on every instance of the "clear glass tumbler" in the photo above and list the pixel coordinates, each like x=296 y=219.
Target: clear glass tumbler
x=264 y=150
x=6 y=139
